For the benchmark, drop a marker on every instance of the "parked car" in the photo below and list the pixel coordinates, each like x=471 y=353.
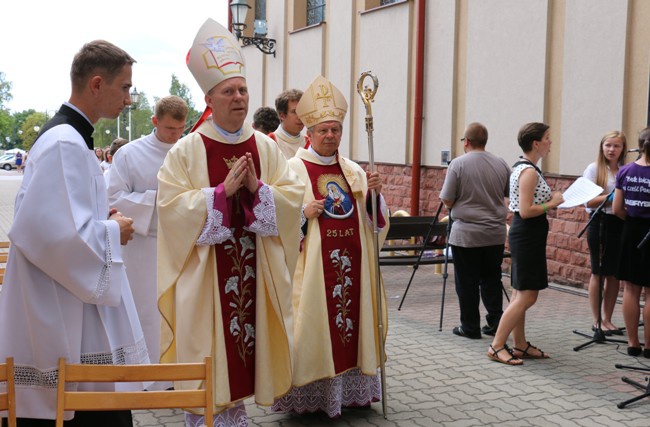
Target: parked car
x=8 y=162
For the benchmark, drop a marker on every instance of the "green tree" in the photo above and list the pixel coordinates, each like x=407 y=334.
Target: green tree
x=5 y=90
x=7 y=140
x=141 y=114
x=16 y=133
x=141 y=117
x=30 y=128
x=105 y=132
x=180 y=89
x=6 y=120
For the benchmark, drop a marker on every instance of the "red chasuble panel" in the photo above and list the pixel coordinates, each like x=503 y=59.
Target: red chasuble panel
x=236 y=271
x=341 y=256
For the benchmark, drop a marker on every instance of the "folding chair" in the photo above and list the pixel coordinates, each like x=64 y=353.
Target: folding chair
x=8 y=398
x=427 y=232
x=124 y=400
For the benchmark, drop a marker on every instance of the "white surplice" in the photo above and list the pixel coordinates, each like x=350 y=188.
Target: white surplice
x=132 y=189
x=65 y=292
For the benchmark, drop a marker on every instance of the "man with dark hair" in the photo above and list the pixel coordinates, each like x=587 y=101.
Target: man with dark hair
x=66 y=293
x=289 y=134
x=474 y=190
x=265 y=120
x=133 y=189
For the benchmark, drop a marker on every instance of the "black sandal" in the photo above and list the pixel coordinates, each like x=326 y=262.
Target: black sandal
x=495 y=356
x=526 y=355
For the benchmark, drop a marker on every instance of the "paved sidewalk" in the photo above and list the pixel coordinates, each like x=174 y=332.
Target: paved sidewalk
x=436 y=378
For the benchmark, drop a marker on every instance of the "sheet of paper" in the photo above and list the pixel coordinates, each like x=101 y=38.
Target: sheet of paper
x=581 y=191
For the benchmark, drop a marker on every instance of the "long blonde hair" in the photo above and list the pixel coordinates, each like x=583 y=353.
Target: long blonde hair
x=602 y=165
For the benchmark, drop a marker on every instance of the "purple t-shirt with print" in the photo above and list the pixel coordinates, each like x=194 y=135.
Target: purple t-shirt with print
x=634 y=180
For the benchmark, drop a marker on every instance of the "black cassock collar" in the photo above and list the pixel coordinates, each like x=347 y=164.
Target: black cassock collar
x=69 y=116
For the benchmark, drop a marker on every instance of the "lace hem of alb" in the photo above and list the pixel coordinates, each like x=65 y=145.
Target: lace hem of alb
x=266 y=223
x=329 y=395
x=213 y=231
x=231 y=417
x=31 y=376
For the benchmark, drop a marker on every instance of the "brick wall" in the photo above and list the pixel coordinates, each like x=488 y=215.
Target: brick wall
x=567 y=255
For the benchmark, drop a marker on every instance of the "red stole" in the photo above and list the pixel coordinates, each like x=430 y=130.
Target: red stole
x=341 y=257
x=236 y=271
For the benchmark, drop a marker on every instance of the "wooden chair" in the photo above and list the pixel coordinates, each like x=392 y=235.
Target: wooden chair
x=4 y=255
x=123 y=400
x=8 y=399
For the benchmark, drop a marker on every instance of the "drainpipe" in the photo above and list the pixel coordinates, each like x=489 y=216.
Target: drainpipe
x=418 y=115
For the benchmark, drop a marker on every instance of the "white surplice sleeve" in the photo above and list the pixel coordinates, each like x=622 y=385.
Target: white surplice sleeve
x=66 y=212
x=140 y=206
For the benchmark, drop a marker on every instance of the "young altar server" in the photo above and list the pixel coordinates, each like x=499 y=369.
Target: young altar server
x=132 y=189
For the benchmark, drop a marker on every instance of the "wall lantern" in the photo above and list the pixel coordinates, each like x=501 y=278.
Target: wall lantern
x=239 y=9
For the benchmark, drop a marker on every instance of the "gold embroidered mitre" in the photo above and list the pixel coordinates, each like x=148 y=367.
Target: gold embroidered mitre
x=321 y=102
x=215 y=56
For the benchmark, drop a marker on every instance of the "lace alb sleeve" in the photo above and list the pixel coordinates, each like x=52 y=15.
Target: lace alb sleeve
x=265 y=222
x=213 y=231
x=104 y=277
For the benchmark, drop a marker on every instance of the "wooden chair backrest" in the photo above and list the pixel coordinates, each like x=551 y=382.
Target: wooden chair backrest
x=8 y=399
x=123 y=400
x=4 y=255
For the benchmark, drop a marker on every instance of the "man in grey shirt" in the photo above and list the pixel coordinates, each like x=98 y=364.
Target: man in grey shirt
x=474 y=190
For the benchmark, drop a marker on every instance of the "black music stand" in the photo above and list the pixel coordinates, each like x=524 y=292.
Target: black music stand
x=425 y=243
x=599 y=336
x=445 y=274
x=645 y=388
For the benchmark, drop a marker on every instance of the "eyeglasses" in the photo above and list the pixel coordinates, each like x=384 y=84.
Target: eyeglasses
x=462 y=139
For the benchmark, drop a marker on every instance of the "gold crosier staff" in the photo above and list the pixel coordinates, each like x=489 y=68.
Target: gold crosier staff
x=368 y=95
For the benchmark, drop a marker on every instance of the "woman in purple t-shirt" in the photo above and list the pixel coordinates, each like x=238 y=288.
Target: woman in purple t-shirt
x=632 y=204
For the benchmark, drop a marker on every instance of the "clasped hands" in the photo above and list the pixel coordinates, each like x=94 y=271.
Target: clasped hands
x=126 y=225
x=242 y=174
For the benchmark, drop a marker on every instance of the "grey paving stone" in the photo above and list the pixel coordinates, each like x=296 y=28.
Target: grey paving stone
x=435 y=378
